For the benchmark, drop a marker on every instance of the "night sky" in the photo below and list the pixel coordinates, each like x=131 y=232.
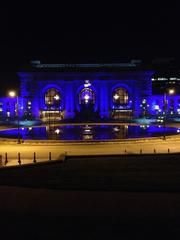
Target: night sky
x=85 y=33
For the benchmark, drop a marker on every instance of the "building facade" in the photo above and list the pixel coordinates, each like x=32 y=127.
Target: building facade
x=68 y=91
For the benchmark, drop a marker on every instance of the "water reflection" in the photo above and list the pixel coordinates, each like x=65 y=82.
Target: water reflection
x=88 y=132
x=120 y=132
x=53 y=133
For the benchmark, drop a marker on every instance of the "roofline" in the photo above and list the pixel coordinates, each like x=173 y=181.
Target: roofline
x=39 y=65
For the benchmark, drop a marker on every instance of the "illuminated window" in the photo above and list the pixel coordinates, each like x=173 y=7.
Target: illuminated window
x=1 y=107
x=171 y=106
x=52 y=97
x=156 y=107
x=178 y=102
x=1 y=110
x=120 y=96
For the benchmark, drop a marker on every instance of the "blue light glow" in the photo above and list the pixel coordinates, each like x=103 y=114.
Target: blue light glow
x=102 y=132
x=103 y=81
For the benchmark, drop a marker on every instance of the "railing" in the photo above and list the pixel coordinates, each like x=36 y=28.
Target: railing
x=6 y=161
x=9 y=161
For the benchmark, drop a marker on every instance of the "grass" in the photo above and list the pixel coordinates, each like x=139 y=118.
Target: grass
x=118 y=173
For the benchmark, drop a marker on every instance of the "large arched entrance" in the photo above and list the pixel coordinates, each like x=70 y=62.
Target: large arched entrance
x=121 y=104
x=86 y=101
x=86 y=97
x=52 y=105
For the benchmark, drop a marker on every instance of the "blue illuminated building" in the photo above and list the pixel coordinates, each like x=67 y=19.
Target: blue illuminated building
x=69 y=91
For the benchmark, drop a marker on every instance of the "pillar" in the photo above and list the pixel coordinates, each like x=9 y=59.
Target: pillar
x=104 y=101
x=69 y=100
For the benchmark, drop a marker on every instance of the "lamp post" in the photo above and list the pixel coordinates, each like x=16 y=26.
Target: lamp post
x=14 y=94
x=56 y=100
x=166 y=92
x=49 y=107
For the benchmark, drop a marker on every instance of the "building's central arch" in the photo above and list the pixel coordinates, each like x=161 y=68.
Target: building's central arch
x=86 y=101
x=86 y=97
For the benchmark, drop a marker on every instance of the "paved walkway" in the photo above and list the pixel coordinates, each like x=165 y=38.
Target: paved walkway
x=42 y=150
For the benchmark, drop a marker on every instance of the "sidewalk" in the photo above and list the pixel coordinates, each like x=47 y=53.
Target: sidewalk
x=58 y=149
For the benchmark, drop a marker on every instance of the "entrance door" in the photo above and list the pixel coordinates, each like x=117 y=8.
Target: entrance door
x=86 y=103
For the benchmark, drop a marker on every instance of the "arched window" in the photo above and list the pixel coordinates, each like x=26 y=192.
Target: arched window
x=86 y=96
x=120 y=96
x=52 y=97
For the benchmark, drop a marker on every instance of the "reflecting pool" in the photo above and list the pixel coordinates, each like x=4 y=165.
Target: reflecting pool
x=88 y=132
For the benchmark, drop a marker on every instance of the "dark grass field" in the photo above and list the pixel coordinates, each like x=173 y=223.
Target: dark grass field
x=117 y=173
x=127 y=174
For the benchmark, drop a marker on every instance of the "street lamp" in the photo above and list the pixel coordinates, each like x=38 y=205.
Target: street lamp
x=166 y=92
x=56 y=103
x=49 y=108
x=14 y=94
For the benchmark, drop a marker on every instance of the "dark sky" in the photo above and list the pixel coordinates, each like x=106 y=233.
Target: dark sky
x=74 y=33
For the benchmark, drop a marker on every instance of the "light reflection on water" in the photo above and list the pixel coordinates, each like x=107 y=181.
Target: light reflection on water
x=88 y=132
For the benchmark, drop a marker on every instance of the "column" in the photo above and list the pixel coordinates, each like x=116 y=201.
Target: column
x=104 y=101
x=69 y=100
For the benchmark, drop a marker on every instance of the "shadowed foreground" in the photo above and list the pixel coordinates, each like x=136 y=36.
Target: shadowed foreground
x=29 y=227
x=118 y=173
x=62 y=214
x=125 y=197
